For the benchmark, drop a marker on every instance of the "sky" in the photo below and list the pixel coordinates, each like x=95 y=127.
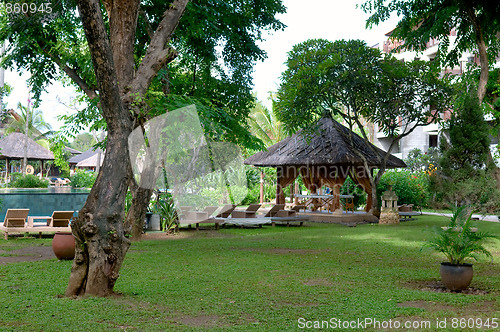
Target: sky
x=328 y=19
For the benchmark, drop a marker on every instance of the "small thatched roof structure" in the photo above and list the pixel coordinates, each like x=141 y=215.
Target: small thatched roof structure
x=329 y=145
x=90 y=161
x=72 y=151
x=325 y=157
x=12 y=147
x=83 y=156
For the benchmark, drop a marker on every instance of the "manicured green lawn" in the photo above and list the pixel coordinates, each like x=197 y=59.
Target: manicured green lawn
x=268 y=279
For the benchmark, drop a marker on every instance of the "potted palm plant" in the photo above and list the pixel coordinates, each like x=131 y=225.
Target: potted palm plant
x=459 y=241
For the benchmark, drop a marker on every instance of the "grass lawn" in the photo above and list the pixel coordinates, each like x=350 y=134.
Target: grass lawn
x=269 y=279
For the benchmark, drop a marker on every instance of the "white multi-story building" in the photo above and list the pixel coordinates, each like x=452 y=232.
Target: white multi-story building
x=423 y=137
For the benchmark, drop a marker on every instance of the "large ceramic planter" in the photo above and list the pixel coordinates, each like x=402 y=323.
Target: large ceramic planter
x=456 y=277
x=63 y=245
x=155 y=223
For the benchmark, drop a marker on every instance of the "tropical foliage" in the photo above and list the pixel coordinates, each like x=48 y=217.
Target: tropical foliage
x=265 y=124
x=164 y=206
x=83 y=141
x=417 y=161
x=476 y=23
x=410 y=187
x=460 y=241
x=27 y=181
x=83 y=179
x=38 y=129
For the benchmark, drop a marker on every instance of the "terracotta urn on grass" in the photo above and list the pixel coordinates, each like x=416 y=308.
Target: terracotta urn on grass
x=63 y=245
x=459 y=241
x=456 y=277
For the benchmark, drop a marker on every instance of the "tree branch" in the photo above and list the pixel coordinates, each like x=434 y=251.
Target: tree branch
x=157 y=54
x=71 y=72
x=102 y=59
x=122 y=30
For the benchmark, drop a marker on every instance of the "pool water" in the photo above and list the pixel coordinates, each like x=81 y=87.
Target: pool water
x=42 y=202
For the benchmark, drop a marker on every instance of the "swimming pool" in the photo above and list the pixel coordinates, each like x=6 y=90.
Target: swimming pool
x=42 y=202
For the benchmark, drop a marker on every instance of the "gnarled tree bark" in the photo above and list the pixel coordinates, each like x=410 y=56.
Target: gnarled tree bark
x=101 y=244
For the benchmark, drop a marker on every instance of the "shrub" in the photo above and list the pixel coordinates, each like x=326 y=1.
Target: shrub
x=29 y=181
x=411 y=188
x=417 y=161
x=476 y=189
x=253 y=196
x=83 y=179
x=459 y=241
x=350 y=188
x=165 y=207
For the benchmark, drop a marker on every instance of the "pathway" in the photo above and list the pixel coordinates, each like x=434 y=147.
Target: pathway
x=481 y=217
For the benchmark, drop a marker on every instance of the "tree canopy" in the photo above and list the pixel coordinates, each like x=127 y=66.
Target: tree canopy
x=476 y=22
x=357 y=83
x=121 y=56
x=214 y=46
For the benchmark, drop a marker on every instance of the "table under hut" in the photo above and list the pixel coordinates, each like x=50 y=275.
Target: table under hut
x=324 y=156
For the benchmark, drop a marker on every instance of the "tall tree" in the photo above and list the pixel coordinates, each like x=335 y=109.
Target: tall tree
x=38 y=128
x=353 y=81
x=476 y=22
x=468 y=137
x=83 y=142
x=120 y=65
x=265 y=125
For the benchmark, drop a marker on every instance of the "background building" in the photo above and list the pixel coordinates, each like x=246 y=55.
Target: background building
x=423 y=137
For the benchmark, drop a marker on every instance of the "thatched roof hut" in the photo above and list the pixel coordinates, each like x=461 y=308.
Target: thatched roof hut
x=12 y=147
x=91 y=161
x=329 y=145
x=324 y=157
x=86 y=159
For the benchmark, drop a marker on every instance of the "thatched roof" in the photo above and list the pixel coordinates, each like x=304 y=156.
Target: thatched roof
x=90 y=161
x=72 y=151
x=84 y=155
x=329 y=145
x=12 y=147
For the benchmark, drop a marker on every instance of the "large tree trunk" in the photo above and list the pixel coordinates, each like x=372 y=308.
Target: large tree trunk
x=137 y=213
x=483 y=76
x=100 y=241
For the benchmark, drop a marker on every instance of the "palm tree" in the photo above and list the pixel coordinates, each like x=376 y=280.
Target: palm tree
x=37 y=128
x=265 y=125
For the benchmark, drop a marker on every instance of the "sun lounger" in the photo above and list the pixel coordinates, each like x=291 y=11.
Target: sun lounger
x=286 y=213
x=200 y=217
x=226 y=211
x=15 y=222
x=297 y=208
x=210 y=210
x=289 y=220
x=250 y=212
x=248 y=222
x=272 y=212
x=58 y=219
x=16 y=218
